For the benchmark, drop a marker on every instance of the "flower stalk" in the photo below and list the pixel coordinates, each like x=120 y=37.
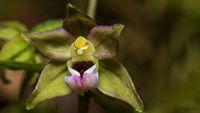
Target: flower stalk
x=92 y=6
x=83 y=103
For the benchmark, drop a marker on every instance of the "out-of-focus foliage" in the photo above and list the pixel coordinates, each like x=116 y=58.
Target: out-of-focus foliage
x=16 y=53
x=48 y=25
x=161 y=47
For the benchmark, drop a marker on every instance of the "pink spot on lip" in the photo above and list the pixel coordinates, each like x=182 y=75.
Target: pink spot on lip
x=88 y=81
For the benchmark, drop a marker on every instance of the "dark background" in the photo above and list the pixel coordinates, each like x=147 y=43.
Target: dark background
x=160 y=47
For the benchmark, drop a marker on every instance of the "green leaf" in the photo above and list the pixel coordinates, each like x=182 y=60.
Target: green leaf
x=116 y=82
x=9 y=30
x=15 y=25
x=105 y=40
x=51 y=84
x=49 y=25
x=13 y=49
x=13 y=65
x=27 y=55
x=53 y=44
x=17 y=50
x=78 y=23
x=7 y=33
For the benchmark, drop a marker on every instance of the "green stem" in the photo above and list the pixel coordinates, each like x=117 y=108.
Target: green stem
x=92 y=6
x=31 y=67
x=83 y=103
x=25 y=83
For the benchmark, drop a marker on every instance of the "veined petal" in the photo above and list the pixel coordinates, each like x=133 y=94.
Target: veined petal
x=105 y=40
x=91 y=80
x=75 y=83
x=115 y=82
x=53 y=44
x=81 y=83
x=50 y=85
x=77 y=23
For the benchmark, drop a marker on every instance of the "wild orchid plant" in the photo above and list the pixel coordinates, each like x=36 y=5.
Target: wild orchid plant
x=82 y=60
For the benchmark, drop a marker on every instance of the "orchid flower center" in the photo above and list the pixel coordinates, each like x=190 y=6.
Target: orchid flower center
x=82 y=66
x=80 y=44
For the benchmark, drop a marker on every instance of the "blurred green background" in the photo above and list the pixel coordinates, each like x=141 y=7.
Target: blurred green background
x=160 y=47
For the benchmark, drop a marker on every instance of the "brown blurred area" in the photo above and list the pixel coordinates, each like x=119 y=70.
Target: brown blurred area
x=160 y=45
x=10 y=92
x=31 y=12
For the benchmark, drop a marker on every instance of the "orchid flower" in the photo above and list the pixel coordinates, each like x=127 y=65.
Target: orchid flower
x=81 y=57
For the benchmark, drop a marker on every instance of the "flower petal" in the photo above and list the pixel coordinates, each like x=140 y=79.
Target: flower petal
x=51 y=84
x=116 y=82
x=77 y=23
x=75 y=83
x=91 y=80
x=91 y=69
x=73 y=71
x=53 y=44
x=105 y=40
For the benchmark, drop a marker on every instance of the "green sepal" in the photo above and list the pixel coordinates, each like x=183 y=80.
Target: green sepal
x=50 y=84
x=17 y=50
x=116 y=82
x=106 y=40
x=77 y=23
x=53 y=44
x=112 y=105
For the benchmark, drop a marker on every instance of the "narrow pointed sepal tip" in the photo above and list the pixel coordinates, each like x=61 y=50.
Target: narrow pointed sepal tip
x=28 y=106
x=140 y=108
x=119 y=28
x=71 y=10
x=69 y=6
